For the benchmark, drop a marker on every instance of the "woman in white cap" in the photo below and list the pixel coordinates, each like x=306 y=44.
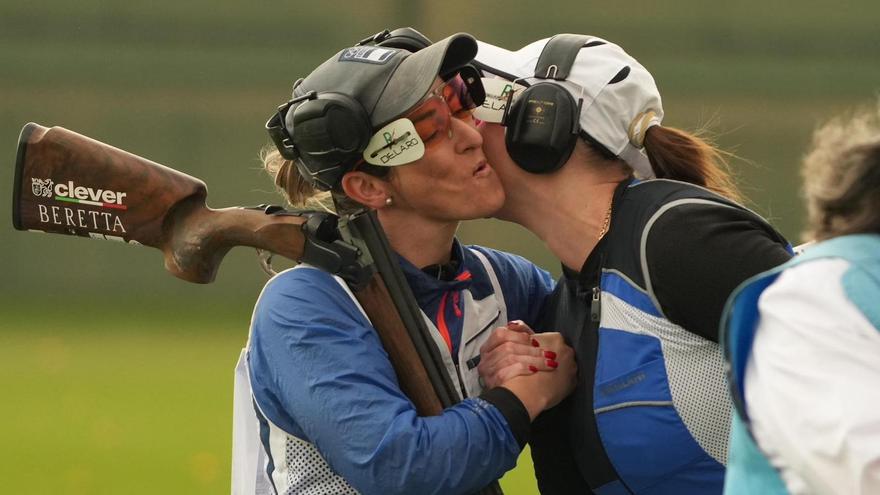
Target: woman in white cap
x=645 y=222
x=383 y=128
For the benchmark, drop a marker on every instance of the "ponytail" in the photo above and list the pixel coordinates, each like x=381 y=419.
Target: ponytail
x=298 y=192
x=679 y=155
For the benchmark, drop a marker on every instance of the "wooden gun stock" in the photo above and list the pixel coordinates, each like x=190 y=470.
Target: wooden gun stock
x=67 y=183
x=79 y=186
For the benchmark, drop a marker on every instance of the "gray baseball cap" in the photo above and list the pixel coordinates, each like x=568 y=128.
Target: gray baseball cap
x=388 y=81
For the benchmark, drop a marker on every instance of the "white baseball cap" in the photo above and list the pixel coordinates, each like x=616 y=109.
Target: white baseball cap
x=620 y=98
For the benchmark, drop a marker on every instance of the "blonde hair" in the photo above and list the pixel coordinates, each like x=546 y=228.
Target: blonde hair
x=298 y=192
x=841 y=174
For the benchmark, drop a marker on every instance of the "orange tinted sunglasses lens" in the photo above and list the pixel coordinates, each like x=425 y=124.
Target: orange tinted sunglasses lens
x=431 y=118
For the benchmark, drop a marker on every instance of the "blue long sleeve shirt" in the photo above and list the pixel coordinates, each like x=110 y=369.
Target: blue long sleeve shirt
x=319 y=373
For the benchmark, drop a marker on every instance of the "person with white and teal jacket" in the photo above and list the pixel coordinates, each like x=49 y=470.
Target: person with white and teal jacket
x=803 y=340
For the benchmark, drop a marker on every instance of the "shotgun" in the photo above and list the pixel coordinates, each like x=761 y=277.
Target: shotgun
x=67 y=183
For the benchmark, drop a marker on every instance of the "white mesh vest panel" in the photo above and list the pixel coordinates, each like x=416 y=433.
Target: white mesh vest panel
x=694 y=366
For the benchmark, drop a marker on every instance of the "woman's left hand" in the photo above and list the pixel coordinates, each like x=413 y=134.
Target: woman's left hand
x=512 y=351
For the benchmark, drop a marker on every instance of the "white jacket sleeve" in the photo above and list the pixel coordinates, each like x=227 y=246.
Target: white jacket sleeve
x=813 y=383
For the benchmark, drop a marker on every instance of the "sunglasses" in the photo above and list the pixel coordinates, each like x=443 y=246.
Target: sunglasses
x=405 y=139
x=432 y=118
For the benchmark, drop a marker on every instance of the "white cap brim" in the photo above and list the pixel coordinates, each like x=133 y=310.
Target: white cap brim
x=507 y=64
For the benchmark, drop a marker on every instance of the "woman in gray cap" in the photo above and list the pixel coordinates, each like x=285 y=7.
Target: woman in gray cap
x=644 y=220
x=391 y=130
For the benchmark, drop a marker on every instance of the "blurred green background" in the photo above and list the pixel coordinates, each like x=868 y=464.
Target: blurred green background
x=116 y=376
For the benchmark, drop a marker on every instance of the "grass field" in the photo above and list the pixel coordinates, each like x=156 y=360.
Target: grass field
x=136 y=401
x=119 y=402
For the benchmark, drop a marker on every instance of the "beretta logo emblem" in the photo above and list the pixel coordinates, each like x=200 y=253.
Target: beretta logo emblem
x=42 y=187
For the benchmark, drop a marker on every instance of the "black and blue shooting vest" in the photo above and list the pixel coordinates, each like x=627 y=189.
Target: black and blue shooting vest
x=651 y=414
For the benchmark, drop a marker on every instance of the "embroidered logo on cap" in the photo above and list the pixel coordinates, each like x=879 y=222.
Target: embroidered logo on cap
x=366 y=54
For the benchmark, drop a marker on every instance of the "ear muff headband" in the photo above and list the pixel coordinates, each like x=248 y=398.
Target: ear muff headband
x=405 y=38
x=558 y=56
x=543 y=123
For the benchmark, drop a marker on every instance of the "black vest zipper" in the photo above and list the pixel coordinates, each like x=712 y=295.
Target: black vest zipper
x=596 y=305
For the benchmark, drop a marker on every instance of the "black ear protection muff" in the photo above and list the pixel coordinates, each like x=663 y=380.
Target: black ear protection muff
x=543 y=123
x=324 y=134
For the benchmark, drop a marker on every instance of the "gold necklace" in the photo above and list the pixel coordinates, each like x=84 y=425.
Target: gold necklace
x=607 y=222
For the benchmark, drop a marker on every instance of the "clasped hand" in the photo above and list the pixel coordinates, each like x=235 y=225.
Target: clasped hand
x=538 y=367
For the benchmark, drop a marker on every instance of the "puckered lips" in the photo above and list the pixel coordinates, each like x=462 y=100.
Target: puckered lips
x=482 y=169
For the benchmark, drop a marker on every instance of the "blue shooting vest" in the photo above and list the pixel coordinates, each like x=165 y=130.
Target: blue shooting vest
x=749 y=471
x=656 y=392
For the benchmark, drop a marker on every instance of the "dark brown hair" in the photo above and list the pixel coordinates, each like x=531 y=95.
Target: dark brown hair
x=841 y=174
x=679 y=155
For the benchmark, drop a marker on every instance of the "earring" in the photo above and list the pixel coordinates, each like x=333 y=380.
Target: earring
x=389 y=201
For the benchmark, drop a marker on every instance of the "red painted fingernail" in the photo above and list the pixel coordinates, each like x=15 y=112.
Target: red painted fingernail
x=551 y=363
x=533 y=369
x=535 y=343
x=549 y=354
